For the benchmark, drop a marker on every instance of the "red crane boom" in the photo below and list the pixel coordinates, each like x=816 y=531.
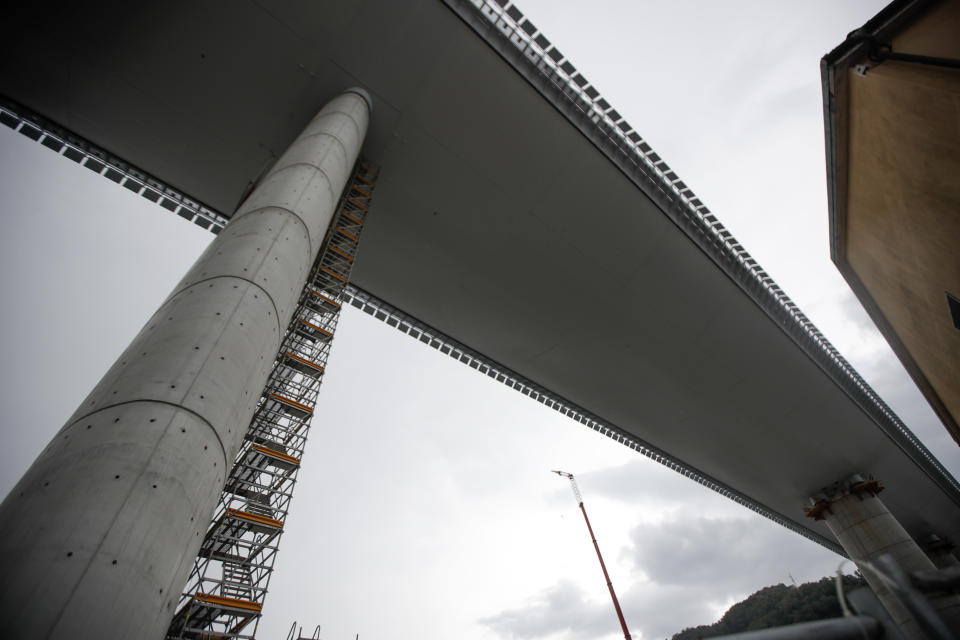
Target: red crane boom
x=613 y=595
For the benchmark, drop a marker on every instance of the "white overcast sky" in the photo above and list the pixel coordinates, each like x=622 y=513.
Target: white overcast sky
x=426 y=508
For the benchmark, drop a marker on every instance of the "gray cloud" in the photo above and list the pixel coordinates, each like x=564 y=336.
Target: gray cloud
x=697 y=566
x=659 y=611
x=639 y=480
x=644 y=485
x=687 y=552
x=652 y=610
x=686 y=571
x=557 y=609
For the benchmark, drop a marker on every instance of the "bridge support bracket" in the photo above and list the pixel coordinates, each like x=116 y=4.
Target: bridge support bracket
x=866 y=529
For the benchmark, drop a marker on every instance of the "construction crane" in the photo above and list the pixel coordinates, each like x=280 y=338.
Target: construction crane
x=613 y=595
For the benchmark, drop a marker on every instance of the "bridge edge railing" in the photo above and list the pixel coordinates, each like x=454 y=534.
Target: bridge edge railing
x=505 y=28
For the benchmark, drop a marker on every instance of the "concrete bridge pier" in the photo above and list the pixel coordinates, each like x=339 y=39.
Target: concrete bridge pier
x=98 y=537
x=866 y=530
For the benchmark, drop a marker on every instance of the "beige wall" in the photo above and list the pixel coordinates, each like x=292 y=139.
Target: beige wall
x=903 y=198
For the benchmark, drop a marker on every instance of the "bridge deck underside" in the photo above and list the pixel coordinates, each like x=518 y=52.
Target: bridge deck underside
x=496 y=221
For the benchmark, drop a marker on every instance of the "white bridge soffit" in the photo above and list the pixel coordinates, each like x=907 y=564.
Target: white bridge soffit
x=519 y=223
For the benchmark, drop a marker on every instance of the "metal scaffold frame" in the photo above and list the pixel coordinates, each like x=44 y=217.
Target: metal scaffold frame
x=225 y=592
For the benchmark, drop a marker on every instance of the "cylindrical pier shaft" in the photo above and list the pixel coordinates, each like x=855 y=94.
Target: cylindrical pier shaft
x=866 y=530
x=98 y=537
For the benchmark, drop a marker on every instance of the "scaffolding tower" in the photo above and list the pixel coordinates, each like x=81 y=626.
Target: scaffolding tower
x=224 y=594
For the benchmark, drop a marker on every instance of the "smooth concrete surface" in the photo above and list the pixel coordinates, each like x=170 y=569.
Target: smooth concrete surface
x=97 y=539
x=866 y=530
x=497 y=221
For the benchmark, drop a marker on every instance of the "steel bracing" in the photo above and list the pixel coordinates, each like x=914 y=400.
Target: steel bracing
x=225 y=592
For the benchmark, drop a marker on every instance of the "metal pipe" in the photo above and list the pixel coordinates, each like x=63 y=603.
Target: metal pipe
x=923 y=612
x=883 y=52
x=850 y=628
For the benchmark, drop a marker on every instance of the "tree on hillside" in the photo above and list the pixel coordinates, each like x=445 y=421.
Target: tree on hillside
x=777 y=606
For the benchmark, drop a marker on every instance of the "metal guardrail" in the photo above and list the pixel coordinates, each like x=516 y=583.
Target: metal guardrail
x=517 y=39
x=850 y=628
x=418 y=330
x=88 y=155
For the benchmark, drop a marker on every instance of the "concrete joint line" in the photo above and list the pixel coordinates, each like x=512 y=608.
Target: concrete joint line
x=333 y=203
x=329 y=135
x=248 y=280
x=126 y=497
x=306 y=229
x=349 y=118
x=303 y=163
x=316 y=170
x=327 y=114
x=223 y=449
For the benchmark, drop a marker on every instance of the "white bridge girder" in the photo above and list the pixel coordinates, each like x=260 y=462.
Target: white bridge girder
x=498 y=211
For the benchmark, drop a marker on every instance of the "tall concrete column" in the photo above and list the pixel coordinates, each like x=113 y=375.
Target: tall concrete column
x=98 y=537
x=866 y=530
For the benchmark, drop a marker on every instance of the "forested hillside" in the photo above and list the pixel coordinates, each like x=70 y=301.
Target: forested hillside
x=777 y=606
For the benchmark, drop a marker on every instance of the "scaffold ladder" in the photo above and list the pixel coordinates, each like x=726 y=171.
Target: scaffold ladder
x=226 y=589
